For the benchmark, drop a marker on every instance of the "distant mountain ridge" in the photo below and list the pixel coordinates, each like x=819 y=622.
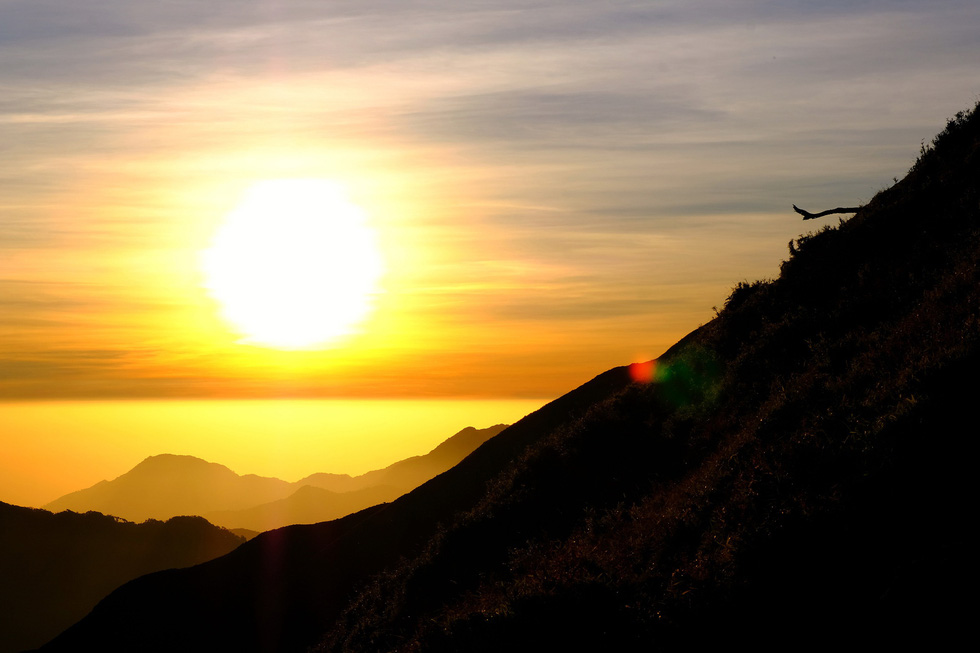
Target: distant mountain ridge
x=167 y=485
x=307 y=505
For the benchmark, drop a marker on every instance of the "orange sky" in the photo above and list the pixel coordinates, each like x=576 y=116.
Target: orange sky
x=555 y=189
x=107 y=300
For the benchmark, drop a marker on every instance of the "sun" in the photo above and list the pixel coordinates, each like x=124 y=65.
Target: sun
x=294 y=266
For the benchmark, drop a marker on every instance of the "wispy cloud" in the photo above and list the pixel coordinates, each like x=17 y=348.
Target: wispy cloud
x=606 y=170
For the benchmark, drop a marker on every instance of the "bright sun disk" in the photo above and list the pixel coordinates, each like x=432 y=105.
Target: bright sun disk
x=294 y=266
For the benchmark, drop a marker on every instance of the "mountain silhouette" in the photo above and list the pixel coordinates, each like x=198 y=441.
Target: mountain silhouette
x=795 y=473
x=307 y=505
x=54 y=568
x=167 y=485
x=410 y=473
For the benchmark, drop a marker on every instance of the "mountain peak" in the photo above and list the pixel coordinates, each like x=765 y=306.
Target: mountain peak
x=170 y=461
x=165 y=485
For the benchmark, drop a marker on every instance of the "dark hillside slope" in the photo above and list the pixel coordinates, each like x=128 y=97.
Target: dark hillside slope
x=54 y=568
x=795 y=469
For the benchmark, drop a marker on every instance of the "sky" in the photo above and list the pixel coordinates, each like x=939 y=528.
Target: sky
x=555 y=188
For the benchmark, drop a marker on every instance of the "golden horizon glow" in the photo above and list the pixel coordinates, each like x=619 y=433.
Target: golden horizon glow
x=53 y=448
x=294 y=266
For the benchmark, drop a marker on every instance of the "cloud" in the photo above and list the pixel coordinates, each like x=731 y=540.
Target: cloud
x=576 y=158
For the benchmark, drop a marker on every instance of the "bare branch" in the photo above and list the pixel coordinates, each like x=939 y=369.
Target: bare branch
x=810 y=216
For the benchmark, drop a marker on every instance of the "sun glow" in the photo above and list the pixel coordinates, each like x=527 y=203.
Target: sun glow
x=294 y=266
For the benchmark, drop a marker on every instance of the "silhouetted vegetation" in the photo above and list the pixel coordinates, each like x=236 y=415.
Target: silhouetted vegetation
x=54 y=568
x=813 y=486
x=796 y=473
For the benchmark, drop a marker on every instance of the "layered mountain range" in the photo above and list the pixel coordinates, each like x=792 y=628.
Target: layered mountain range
x=168 y=485
x=55 y=566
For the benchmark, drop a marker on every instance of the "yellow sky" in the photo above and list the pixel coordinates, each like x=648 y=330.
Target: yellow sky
x=555 y=190
x=112 y=303
x=53 y=448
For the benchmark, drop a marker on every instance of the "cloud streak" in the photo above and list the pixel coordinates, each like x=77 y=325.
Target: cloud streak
x=605 y=171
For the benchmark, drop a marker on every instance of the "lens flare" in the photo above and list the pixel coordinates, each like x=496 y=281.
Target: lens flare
x=643 y=372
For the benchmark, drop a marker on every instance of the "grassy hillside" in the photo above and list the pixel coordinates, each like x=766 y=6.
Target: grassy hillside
x=796 y=470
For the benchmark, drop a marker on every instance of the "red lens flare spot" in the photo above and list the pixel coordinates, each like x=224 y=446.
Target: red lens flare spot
x=643 y=372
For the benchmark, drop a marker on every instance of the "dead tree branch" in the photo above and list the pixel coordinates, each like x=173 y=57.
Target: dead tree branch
x=810 y=216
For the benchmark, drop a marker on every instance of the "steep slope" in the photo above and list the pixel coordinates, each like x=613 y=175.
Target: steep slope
x=795 y=470
x=55 y=567
x=796 y=473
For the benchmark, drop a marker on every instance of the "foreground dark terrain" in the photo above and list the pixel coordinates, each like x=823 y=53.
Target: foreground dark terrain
x=54 y=568
x=794 y=471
